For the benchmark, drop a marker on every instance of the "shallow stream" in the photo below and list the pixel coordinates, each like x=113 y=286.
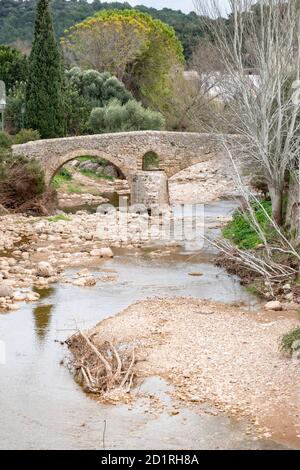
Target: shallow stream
x=41 y=407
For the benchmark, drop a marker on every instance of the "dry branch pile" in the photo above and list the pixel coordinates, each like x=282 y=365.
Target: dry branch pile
x=107 y=371
x=23 y=189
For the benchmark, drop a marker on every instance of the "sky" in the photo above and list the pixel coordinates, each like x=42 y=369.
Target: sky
x=183 y=5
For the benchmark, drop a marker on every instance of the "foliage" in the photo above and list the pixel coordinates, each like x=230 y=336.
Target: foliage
x=44 y=92
x=26 y=135
x=122 y=118
x=21 y=180
x=98 y=89
x=59 y=218
x=13 y=66
x=15 y=107
x=18 y=19
x=142 y=52
x=77 y=110
x=241 y=231
x=288 y=339
x=92 y=174
x=150 y=160
x=5 y=141
x=86 y=90
x=62 y=177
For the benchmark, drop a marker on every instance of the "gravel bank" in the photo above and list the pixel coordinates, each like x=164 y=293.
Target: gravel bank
x=219 y=354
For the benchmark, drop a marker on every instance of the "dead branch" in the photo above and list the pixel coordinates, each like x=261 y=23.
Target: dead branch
x=105 y=370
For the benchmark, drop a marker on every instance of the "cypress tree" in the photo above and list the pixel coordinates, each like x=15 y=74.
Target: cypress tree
x=44 y=93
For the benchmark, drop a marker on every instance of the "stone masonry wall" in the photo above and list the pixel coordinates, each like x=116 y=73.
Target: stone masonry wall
x=176 y=150
x=149 y=188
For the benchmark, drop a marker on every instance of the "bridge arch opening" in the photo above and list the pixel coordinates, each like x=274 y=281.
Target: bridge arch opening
x=89 y=162
x=150 y=161
x=88 y=176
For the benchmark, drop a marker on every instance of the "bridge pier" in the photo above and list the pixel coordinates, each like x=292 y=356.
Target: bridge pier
x=149 y=188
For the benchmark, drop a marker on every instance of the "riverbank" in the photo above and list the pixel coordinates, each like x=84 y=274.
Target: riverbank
x=215 y=353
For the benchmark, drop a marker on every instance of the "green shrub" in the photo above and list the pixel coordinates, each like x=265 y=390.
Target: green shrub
x=241 y=232
x=288 y=339
x=14 y=118
x=66 y=174
x=97 y=89
x=92 y=174
x=62 y=177
x=26 y=135
x=58 y=218
x=150 y=161
x=5 y=141
x=128 y=117
x=13 y=66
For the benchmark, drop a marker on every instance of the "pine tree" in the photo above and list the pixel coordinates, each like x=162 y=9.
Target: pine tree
x=44 y=93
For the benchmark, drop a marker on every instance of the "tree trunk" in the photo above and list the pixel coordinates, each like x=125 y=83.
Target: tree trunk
x=276 y=195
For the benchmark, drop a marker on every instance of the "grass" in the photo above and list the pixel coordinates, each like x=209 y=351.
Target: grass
x=240 y=231
x=62 y=177
x=95 y=176
x=74 y=188
x=58 y=218
x=87 y=158
x=254 y=289
x=288 y=339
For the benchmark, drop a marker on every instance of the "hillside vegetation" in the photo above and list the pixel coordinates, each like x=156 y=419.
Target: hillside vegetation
x=17 y=19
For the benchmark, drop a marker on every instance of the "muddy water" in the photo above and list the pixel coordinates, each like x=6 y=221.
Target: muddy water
x=42 y=408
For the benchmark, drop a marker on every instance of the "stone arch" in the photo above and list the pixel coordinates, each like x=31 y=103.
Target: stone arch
x=125 y=150
x=150 y=161
x=64 y=159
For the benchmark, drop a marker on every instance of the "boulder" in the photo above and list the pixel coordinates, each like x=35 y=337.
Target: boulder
x=106 y=253
x=95 y=252
x=287 y=288
x=102 y=253
x=44 y=269
x=289 y=296
x=6 y=290
x=273 y=305
x=110 y=170
x=85 y=282
x=296 y=345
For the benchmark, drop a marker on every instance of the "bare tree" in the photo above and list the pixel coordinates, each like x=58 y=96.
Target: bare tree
x=265 y=36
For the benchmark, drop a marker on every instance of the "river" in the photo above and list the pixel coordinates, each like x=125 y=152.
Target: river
x=41 y=407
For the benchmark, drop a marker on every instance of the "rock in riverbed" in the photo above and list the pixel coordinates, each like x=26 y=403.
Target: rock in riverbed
x=102 y=253
x=6 y=290
x=274 y=305
x=45 y=269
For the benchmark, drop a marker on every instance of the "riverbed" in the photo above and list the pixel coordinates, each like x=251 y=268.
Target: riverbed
x=43 y=408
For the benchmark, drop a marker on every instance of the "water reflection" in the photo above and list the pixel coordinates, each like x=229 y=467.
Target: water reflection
x=45 y=292
x=42 y=315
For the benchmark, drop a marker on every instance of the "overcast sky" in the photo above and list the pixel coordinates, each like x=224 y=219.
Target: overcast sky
x=183 y=5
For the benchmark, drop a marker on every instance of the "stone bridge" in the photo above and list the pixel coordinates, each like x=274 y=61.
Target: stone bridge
x=175 y=150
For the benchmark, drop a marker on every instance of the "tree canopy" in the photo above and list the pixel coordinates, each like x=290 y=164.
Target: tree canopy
x=13 y=66
x=139 y=50
x=18 y=19
x=44 y=93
